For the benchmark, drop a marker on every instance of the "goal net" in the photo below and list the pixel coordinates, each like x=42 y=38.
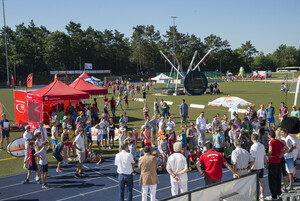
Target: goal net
x=112 y=78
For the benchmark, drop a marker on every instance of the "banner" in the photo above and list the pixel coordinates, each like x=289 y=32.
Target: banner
x=297 y=91
x=16 y=147
x=20 y=108
x=29 y=80
x=88 y=66
x=12 y=80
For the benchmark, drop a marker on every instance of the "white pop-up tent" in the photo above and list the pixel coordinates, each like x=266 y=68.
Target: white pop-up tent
x=161 y=77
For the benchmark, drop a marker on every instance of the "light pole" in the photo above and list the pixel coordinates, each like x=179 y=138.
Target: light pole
x=5 y=38
x=174 y=17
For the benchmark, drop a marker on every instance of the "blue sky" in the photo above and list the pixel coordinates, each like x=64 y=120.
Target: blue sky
x=267 y=23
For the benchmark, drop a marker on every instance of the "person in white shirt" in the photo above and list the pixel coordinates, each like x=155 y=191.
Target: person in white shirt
x=255 y=125
x=161 y=124
x=232 y=134
x=262 y=113
x=54 y=134
x=240 y=159
x=79 y=144
x=258 y=154
x=42 y=130
x=201 y=126
x=27 y=136
x=88 y=113
x=177 y=168
x=125 y=163
x=289 y=156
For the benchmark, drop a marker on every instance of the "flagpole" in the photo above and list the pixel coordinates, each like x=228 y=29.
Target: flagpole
x=5 y=38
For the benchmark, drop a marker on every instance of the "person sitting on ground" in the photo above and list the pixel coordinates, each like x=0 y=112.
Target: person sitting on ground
x=192 y=159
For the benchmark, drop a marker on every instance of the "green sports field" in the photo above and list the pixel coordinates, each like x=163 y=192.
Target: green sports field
x=257 y=93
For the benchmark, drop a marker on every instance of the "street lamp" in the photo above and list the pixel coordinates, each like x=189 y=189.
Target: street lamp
x=5 y=38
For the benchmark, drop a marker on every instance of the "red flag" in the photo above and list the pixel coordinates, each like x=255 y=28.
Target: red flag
x=55 y=76
x=29 y=80
x=12 y=80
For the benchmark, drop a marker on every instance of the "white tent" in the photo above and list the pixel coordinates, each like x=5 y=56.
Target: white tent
x=161 y=77
x=229 y=101
x=96 y=79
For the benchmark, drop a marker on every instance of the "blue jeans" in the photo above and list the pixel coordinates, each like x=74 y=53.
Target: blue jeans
x=128 y=181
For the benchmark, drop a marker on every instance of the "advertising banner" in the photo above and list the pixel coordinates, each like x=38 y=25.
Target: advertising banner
x=16 y=147
x=20 y=107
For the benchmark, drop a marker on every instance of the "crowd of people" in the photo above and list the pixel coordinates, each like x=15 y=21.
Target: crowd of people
x=242 y=143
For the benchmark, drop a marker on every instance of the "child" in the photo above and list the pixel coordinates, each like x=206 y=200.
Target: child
x=219 y=140
x=133 y=152
x=198 y=152
x=171 y=142
x=136 y=135
x=32 y=163
x=142 y=135
x=95 y=157
x=79 y=145
x=147 y=136
x=159 y=161
x=163 y=149
x=122 y=135
x=227 y=152
x=111 y=133
x=88 y=135
x=43 y=163
x=141 y=152
x=184 y=141
x=192 y=159
x=232 y=135
x=54 y=134
x=66 y=146
x=57 y=153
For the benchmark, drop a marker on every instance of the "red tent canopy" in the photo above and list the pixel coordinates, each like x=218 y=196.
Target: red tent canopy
x=56 y=91
x=82 y=85
x=84 y=75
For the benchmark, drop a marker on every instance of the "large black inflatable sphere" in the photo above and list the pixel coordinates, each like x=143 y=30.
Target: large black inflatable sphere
x=195 y=83
x=292 y=124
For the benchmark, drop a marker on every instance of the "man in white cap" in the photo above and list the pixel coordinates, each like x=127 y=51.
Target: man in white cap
x=177 y=168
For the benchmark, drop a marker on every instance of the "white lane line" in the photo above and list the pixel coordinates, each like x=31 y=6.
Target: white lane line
x=35 y=181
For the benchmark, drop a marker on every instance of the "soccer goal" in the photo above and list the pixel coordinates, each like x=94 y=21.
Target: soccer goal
x=112 y=78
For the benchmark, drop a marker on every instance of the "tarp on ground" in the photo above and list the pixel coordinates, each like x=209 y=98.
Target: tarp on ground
x=82 y=85
x=161 y=77
x=56 y=91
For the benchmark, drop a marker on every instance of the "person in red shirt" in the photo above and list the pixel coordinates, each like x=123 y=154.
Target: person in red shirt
x=283 y=112
x=171 y=142
x=212 y=162
x=275 y=153
x=105 y=100
x=192 y=159
x=113 y=106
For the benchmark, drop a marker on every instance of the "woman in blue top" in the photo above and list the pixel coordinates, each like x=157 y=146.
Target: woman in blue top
x=184 y=140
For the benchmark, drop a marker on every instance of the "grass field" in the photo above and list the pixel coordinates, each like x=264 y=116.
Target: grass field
x=257 y=93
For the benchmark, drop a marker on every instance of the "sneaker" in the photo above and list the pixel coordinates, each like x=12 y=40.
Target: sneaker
x=283 y=189
x=59 y=170
x=39 y=181
x=65 y=162
x=69 y=159
x=190 y=168
x=193 y=166
x=269 y=198
x=81 y=174
x=24 y=167
x=37 y=178
x=77 y=176
x=26 y=181
x=261 y=198
x=290 y=187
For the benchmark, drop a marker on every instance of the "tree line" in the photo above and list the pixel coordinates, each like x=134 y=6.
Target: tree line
x=36 y=49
